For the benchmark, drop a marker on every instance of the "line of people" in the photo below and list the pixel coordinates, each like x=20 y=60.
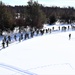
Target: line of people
x=26 y=35
x=7 y=39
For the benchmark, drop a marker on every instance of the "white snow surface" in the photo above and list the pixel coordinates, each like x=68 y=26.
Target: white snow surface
x=51 y=54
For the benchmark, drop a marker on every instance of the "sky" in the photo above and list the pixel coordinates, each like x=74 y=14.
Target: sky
x=61 y=3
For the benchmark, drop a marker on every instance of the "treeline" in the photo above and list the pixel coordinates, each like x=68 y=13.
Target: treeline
x=33 y=15
x=21 y=16
x=64 y=14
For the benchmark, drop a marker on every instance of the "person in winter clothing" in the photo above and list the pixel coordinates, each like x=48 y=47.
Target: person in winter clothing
x=15 y=37
x=3 y=44
x=69 y=36
x=7 y=43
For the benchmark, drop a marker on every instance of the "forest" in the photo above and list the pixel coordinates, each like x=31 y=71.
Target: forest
x=33 y=15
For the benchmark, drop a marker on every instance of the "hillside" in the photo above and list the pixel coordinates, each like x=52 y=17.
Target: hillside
x=42 y=55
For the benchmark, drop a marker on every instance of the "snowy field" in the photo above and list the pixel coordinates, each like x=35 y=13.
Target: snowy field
x=50 y=54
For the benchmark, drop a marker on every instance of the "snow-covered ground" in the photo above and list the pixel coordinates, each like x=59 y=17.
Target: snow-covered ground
x=50 y=54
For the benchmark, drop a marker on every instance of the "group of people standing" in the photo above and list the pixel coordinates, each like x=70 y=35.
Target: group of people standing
x=26 y=35
x=5 y=41
x=22 y=36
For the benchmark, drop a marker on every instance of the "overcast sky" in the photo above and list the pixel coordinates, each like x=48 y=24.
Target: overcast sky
x=61 y=3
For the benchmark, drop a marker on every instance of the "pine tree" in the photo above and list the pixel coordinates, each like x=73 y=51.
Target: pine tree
x=35 y=17
x=6 y=18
